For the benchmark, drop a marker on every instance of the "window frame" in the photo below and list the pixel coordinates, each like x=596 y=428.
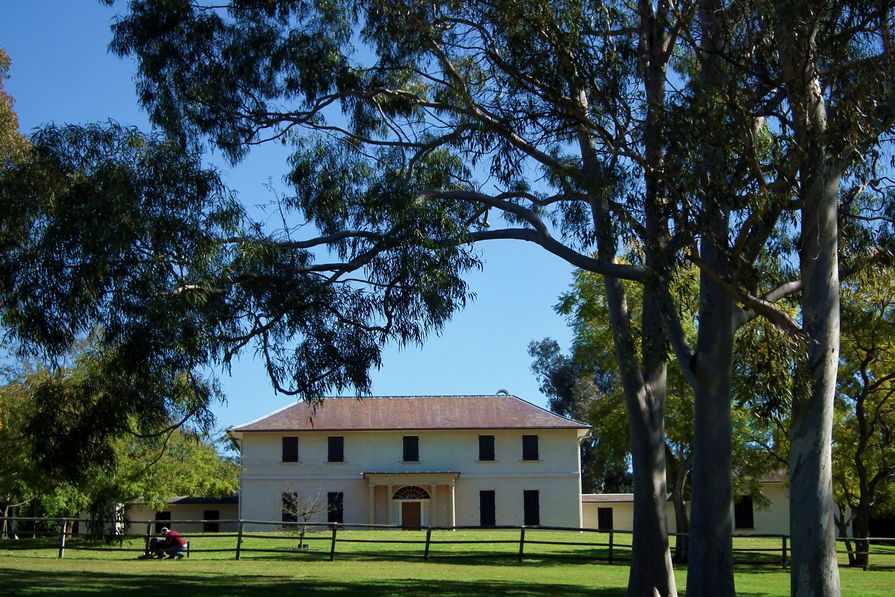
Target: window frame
x=743 y=513
x=485 y=448
x=530 y=448
x=493 y=497
x=411 y=447
x=335 y=446
x=162 y=519
x=335 y=506
x=211 y=524
x=531 y=507
x=287 y=449
x=289 y=499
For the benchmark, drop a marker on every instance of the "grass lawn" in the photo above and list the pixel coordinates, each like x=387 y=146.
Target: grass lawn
x=30 y=567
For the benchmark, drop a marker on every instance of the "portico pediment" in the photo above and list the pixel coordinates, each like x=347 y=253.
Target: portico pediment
x=411 y=478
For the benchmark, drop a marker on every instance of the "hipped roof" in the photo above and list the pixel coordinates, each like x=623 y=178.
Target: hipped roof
x=385 y=413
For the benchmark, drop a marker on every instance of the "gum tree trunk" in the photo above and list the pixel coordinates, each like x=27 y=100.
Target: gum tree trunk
x=651 y=570
x=710 y=557
x=643 y=376
x=814 y=568
x=710 y=570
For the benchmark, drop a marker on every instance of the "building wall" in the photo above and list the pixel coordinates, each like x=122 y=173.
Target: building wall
x=622 y=515
x=138 y=514
x=773 y=520
x=555 y=475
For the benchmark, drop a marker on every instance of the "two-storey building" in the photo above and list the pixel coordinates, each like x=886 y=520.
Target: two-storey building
x=413 y=461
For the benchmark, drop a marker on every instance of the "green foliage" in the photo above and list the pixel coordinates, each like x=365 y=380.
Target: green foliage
x=585 y=385
x=864 y=430
x=12 y=144
x=65 y=450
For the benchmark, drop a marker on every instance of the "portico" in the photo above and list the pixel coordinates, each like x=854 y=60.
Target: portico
x=412 y=499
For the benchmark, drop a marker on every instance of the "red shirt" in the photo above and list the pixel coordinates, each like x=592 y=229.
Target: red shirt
x=173 y=538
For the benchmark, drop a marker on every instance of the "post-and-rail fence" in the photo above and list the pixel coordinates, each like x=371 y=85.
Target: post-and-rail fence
x=330 y=535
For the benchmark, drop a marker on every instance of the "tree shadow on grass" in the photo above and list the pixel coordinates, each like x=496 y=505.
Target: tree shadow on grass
x=18 y=582
x=467 y=558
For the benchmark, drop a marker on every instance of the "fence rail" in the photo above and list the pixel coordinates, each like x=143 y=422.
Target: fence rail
x=610 y=549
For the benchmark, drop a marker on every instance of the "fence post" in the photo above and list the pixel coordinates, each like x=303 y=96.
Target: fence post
x=428 y=538
x=611 y=541
x=61 y=537
x=867 y=561
x=332 y=547
x=148 y=536
x=783 y=561
x=239 y=540
x=521 y=542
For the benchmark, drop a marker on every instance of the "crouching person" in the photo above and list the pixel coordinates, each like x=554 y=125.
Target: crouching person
x=173 y=544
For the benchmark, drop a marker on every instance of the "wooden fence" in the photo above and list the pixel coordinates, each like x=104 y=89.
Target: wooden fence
x=606 y=541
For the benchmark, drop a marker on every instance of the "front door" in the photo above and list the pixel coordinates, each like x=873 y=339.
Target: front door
x=411 y=516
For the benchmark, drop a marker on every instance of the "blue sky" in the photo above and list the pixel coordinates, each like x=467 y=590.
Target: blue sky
x=63 y=73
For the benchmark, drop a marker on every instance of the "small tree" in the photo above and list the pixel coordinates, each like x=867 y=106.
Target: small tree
x=305 y=509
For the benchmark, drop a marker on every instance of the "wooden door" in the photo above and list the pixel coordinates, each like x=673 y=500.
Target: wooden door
x=411 y=516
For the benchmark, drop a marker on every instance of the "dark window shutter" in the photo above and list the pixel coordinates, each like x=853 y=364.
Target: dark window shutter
x=336 y=449
x=411 y=448
x=532 y=503
x=334 y=506
x=743 y=517
x=487 y=510
x=211 y=515
x=162 y=519
x=290 y=449
x=486 y=447
x=290 y=506
x=529 y=447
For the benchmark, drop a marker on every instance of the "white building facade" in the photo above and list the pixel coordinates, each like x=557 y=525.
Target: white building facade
x=413 y=461
x=607 y=511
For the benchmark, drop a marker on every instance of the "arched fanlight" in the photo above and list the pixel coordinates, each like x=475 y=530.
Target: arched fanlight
x=411 y=492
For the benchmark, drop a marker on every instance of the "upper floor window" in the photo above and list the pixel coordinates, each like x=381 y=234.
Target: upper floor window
x=486 y=447
x=411 y=448
x=290 y=449
x=336 y=449
x=529 y=447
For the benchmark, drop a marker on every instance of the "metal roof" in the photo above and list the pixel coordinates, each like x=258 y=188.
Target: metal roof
x=383 y=413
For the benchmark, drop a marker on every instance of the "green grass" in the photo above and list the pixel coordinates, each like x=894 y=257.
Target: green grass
x=386 y=566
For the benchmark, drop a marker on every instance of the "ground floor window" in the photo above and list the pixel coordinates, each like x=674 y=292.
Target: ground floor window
x=334 y=507
x=604 y=519
x=162 y=519
x=531 y=499
x=743 y=517
x=290 y=506
x=487 y=511
x=210 y=516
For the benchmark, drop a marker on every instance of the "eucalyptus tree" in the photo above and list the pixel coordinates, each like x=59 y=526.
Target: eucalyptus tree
x=419 y=122
x=836 y=71
x=584 y=384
